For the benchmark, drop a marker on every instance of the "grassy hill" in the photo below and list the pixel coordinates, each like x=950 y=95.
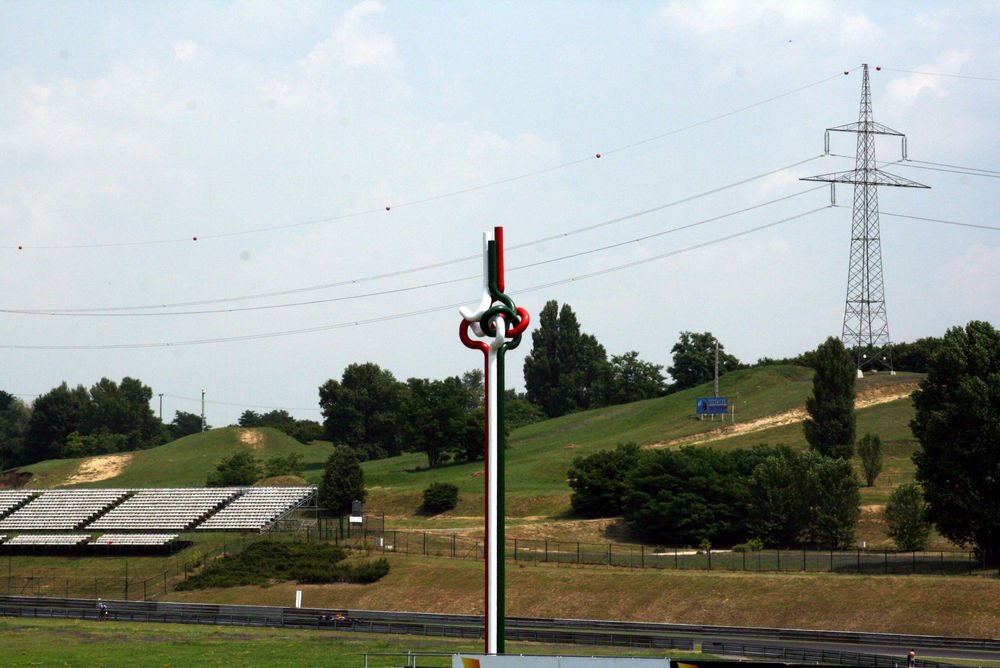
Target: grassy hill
x=185 y=462
x=539 y=455
x=769 y=407
x=538 y=504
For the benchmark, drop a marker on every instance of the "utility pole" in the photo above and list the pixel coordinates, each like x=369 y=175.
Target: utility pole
x=866 y=326
x=716 y=367
x=161 y=406
x=203 y=409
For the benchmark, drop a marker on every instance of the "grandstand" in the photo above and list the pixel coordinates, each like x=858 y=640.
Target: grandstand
x=48 y=540
x=135 y=539
x=257 y=509
x=61 y=509
x=139 y=518
x=12 y=499
x=165 y=509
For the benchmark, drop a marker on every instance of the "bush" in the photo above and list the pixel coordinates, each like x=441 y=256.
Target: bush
x=869 y=449
x=263 y=562
x=439 y=497
x=598 y=480
x=240 y=469
x=906 y=517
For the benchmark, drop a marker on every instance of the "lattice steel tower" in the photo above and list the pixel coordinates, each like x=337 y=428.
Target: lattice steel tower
x=866 y=327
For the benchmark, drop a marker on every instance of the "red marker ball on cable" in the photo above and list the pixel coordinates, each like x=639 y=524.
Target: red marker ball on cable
x=598 y=155
x=847 y=71
x=194 y=238
x=878 y=68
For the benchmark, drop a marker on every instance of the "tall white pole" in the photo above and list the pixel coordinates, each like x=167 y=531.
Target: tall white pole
x=492 y=495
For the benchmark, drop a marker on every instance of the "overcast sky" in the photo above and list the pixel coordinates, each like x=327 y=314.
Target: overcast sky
x=196 y=194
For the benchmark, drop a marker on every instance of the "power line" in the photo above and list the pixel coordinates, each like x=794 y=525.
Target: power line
x=431 y=198
x=952 y=169
x=941 y=74
x=94 y=313
x=943 y=222
x=407 y=314
x=241 y=405
x=426 y=267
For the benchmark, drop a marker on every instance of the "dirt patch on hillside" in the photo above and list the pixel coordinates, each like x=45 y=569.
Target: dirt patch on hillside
x=14 y=479
x=865 y=398
x=252 y=437
x=95 y=469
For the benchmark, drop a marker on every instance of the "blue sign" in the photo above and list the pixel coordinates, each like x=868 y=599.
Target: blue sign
x=712 y=406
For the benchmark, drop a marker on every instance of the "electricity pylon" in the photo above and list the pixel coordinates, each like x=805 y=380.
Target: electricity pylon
x=866 y=326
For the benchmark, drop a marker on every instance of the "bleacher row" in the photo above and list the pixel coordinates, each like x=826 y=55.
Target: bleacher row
x=68 y=539
x=144 y=510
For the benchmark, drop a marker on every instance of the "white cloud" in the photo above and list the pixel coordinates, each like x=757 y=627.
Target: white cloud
x=185 y=51
x=727 y=23
x=905 y=91
x=354 y=44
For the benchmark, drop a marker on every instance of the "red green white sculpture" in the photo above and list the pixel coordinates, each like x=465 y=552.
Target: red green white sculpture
x=497 y=325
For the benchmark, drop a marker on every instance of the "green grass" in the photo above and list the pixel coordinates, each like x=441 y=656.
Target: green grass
x=539 y=455
x=34 y=642
x=187 y=462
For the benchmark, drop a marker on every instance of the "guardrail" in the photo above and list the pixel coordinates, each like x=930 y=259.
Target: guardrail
x=714 y=639
x=800 y=655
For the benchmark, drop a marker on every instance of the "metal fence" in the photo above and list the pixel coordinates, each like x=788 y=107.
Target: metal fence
x=859 y=561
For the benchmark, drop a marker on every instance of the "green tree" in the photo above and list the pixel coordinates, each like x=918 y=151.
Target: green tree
x=239 y=470
x=184 y=424
x=439 y=497
x=472 y=381
x=518 y=411
x=437 y=421
x=833 y=500
x=778 y=490
x=290 y=464
x=598 y=480
x=631 y=379
x=305 y=431
x=694 y=360
x=14 y=416
x=870 y=451
x=693 y=494
x=915 y=356
x=804 y=498
x=906 y=517
x=54 y=416
x=566 y=369
x=343 y=481
x=957 y=423
x=362 y=410
x=830 y=427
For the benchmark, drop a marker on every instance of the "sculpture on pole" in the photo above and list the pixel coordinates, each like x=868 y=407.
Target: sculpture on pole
x=498 y=324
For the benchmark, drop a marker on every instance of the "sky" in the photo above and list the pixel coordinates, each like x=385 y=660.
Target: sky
x=245 y=198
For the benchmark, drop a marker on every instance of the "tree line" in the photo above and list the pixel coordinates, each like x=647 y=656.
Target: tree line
x=108 y=417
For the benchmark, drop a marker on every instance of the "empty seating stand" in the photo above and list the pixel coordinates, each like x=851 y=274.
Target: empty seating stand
x=257 y=508
x=48 y=540
x=61 y=509
x=140 y=521
x=135 y=539
x=12 y=499
x=176 y=509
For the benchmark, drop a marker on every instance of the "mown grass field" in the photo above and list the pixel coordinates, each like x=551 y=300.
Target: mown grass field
x=35 y=642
